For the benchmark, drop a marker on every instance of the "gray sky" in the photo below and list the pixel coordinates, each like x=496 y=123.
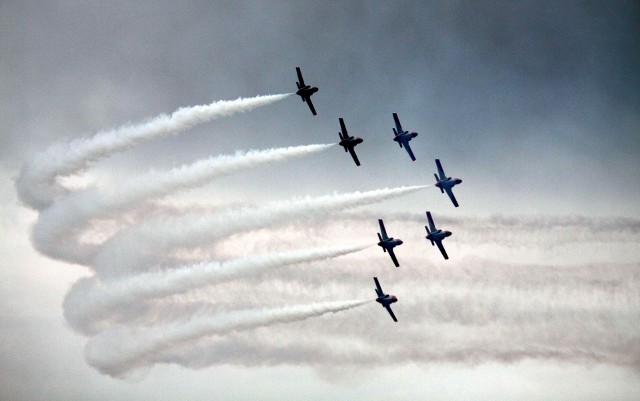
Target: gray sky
x=535 y=105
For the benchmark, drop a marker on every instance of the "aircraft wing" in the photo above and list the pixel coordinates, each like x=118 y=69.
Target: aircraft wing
x=440 y=170
x=378 y=289
x=442 y=251
x=308 y=100
x=353 y=154
x=453 y=198
x=382 y=230
x=432 y=226
x=393 y=257
x=408 y=148
x=300 y=79
x=399 y=129
x=391 y=313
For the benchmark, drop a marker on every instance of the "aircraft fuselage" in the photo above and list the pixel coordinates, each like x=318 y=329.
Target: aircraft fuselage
x=438 y=235
x=306 y=91
x=405 y=136
x=386 y=300
x=350 y=142
x=390 y=243
x=448 y=183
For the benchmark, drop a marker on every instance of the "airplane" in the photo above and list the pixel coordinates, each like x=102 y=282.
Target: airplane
x=305 y=91
x=436 y=236
x=348 y=142
x=388 y=243
x=446 y=183
x=385 y=299
x=403 y=137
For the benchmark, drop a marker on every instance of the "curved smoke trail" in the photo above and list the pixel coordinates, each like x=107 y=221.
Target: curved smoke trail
x=137 y=248
x=94 y=305
x=90 y=301
x=36 y=182
x=56 y=231
x=144 y=310
x=115 y=352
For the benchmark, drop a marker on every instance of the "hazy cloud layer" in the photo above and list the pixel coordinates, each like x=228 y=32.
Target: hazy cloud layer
x=534 y=104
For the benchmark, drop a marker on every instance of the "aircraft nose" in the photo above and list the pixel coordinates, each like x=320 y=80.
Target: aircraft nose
x=448 y=233
x=458 y=180
x=394 y=299
x=399 y=242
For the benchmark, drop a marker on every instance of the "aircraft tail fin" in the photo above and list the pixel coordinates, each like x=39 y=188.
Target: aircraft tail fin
x=429 y=232
x=380 y=238
x=438 y=180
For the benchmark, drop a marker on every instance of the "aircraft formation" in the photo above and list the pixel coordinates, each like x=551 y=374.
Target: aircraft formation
x=443 y=182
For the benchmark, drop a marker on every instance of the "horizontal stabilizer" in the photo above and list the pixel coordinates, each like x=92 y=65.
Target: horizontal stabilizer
x=383 y=248
x=437 y=181
x=429 y=232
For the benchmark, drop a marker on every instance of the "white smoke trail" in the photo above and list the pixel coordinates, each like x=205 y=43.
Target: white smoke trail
x=144 y=245
x=36 y=183
x=494 y=315
x=116 y=352
x=55 y=233
x=90 y=301
x=93 y=304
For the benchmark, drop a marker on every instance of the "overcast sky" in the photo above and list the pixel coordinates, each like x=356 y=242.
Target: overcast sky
x=535 y=105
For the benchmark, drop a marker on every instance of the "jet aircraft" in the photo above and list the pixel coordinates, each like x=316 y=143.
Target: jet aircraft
x=388 y=243
x=348 y=142
x=305 y=91
x=446 y=183
x=403 y=137
x=436 y=236
x=385 y=299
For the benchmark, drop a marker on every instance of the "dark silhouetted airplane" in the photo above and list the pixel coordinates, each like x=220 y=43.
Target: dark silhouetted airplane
x=348 y=142
x=385 y=299
x=403 y=137
x=446 y=183
x=436 y=236
x=388 y=243
x=305 y=91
